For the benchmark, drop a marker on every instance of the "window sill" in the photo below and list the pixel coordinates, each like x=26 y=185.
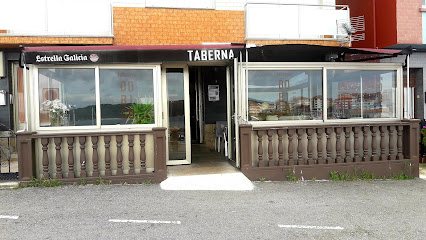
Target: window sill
x=422 y=9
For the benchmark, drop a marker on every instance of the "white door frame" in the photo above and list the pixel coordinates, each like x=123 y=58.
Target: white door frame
x=187 y=112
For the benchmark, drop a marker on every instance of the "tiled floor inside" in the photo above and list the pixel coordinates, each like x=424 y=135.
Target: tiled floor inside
x=204 y=161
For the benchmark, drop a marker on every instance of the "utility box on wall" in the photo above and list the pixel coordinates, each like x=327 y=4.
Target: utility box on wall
x=2 y=71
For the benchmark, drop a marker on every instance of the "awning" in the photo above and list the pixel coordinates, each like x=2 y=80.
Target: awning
x=61 y=55
x=129 y=54
x=316 y=53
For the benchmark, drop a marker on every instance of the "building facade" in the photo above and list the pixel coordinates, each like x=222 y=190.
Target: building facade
x=150 y=78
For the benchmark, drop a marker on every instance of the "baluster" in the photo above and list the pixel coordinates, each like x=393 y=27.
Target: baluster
x=348 y=131
x=328 y=132
x=58 y=142
x=338 y=145
x=70 y=141
x=280 y=147
x=82 y=140
x=300 y=132
x=309 y=133
x=260 y=148
x=392 y=155
x=290 y=133
x=95 y=157
x=374 y=156
x=356 y=144
x=270 y=148
x=382 y=143
x=119 y=139
x=400 y=156
x=143 y=155
x=365 y=143
x=131 y=139
x=320 y=159
x=45 y=162
x=107 y=140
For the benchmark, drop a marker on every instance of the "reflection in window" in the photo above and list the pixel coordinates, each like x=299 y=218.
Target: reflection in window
x=284 y=95
x=67 y=97
x=361 y=94
x=127 y=96
x=176 y=106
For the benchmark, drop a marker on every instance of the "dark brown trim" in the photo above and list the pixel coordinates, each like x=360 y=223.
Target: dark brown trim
x=26 y=160
x=322 y=171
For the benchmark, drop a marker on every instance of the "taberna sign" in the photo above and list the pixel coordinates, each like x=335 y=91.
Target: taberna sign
x=210 y=55
x=127 y=56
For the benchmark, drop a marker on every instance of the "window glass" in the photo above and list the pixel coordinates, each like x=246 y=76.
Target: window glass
x=284 y=95
x=127 y=96
x=67 y=97
x=361 y=94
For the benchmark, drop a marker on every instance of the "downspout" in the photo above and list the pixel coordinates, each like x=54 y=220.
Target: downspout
x=409 y=108
x=247 y=105
x=25 y=98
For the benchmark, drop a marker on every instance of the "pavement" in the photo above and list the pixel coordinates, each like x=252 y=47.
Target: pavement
x=272 y=210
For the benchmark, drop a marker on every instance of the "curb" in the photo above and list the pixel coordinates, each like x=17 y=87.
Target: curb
x=9 y=185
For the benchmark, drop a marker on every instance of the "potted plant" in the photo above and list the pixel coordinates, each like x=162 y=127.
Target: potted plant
x=141 y=113
x=423 y=142
x=57 y=111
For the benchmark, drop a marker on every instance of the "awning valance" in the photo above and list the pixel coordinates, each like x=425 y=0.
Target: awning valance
x=61 y=55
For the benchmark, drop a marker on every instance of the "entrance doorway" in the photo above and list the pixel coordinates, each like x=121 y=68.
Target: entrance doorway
x=208 y=104
x=196 y=114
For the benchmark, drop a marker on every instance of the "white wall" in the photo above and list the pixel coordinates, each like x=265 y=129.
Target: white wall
x=56 y=17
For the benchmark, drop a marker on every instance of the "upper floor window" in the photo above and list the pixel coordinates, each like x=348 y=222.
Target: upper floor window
x=57 y=18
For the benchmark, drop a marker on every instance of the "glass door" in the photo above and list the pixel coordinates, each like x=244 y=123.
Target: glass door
x=177 y=114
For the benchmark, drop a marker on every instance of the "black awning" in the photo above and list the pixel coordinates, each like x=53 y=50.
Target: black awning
x=316 y=53
x=194 y=53
x=129 y=54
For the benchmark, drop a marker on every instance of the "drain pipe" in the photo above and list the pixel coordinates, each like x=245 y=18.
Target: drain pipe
x=409 y=107
x=25 y=98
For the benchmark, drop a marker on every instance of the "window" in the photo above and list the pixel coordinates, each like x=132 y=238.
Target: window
x=127 y=96
x=68 y=96
x=331 y=93
x=284 y=95
x=361 y=94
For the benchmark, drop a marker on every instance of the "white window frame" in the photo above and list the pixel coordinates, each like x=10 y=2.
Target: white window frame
x=156 y=71
x=324 y=67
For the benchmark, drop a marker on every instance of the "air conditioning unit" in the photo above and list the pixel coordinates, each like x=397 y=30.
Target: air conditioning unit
x=2 y=67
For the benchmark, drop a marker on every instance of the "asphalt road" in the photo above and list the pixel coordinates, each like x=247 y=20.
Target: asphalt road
x=278 y=210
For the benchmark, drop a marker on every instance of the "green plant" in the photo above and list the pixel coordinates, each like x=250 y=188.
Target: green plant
x=423 y=136
x=368 y=176
x=41 y=182
x=314 y=179
x=83 y=182
x=402 y=176
x=334 y=176
x=149 y=181
x=291 y=175
x=261 y=179
x=141 y=113
x=101 y=181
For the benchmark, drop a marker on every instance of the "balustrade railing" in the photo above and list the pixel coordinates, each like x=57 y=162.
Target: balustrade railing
x=70 y=157
x=327 y=145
